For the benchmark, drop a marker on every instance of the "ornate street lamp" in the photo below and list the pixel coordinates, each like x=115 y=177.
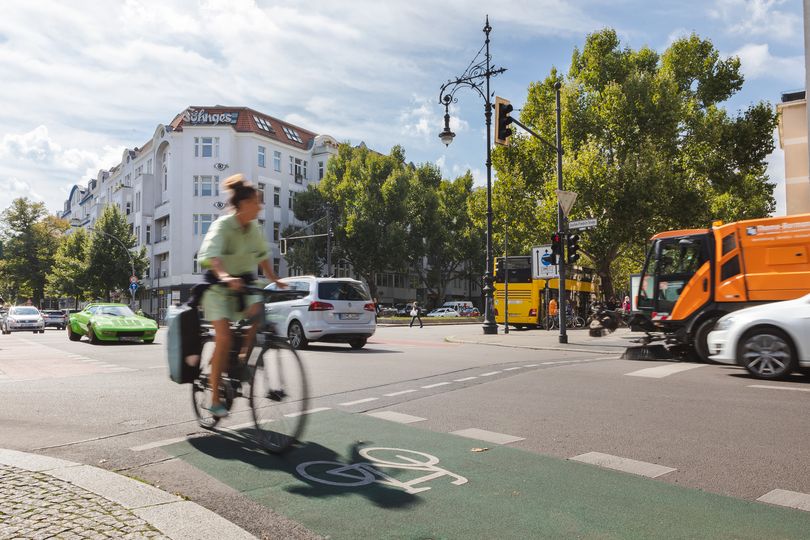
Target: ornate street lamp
x=477 y=77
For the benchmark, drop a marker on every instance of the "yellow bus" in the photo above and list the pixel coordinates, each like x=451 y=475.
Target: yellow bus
x=529 y=298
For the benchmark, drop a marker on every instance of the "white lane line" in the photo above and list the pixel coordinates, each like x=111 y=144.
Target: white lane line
x=490 y=373
x=308 y=411
x=531 y=365
x=791 y=499
x=512 y=368
x=400 y=418
x=392 y=394
x=157 y=444
x=435 y=385
x=641 y=468
x=359 y=401
x=664 y=371
x=464 y=379
x=778 y=387
x=488 y=436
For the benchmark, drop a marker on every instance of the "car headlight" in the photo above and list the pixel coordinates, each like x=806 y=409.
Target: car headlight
x=724 y=323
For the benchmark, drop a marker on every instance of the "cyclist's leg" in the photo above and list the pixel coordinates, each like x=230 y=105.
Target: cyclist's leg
x=253 y=313
x=222 y=347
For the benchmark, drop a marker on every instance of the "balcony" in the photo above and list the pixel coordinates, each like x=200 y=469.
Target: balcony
x=162 y=210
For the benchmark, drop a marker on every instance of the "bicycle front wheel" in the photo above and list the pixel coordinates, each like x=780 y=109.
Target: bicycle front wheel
x=279 y=397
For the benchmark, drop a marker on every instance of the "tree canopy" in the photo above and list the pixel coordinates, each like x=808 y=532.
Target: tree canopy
x=647 y=147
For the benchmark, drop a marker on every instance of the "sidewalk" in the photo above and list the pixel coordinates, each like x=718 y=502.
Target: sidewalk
x=548 y=340
x=44 y=497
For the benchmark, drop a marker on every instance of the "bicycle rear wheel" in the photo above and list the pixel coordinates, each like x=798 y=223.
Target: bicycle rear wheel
x=278 y=397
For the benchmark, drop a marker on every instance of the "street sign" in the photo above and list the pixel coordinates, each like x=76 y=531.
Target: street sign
x=541 y=263
x=133 y=279
x=133 y=287
x=566 y=200
x=589 y=223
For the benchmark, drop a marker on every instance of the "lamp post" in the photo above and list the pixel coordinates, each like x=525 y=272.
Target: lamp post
x=476 y=77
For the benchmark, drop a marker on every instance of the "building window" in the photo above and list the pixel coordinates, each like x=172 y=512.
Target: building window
x=129 y=208
x=137 y=201
x=292 y=134
x=206 y=147
x=298 y=168
x=138 y=234
x=262 y=154
x=276 y=265
x=261 y=188
x=149 y=166
x=206 y=186
x=202 y=222
x=277 y=161
x=276 y=231
x=290 y=200
x=320 y=170
x=148 y=234
x=165 y=175
x=276 y=196
x=195 y=266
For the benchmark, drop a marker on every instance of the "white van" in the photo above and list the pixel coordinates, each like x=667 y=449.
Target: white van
x=458 y=305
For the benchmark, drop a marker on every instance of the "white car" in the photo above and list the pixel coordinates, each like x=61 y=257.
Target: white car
x=770 y=341
x=443 y=312
x=334 y=309
x=24 y=319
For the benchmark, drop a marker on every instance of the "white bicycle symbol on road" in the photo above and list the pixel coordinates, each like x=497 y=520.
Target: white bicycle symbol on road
x=334 y=473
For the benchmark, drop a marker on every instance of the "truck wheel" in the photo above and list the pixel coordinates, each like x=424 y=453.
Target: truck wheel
x=700 y=341
x=767 y=353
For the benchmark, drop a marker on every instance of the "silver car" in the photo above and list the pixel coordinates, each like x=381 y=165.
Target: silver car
x=23 y=319
x=334 y=309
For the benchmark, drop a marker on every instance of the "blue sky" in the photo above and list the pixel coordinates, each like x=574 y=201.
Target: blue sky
x=83 y=80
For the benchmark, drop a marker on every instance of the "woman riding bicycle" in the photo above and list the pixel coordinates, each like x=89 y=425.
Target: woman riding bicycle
x=232 y=248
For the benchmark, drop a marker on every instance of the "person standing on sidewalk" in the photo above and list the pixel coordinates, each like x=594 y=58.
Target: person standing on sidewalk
x=415 y=315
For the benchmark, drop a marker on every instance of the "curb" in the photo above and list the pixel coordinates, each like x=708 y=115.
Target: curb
x=171 y=515
x=454 y=339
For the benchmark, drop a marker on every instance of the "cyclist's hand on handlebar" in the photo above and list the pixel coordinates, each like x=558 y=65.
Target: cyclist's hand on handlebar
x=281 y=285
x=233 y=283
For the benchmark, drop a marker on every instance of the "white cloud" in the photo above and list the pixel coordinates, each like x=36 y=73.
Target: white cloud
x=35 y=145
x=757 y=17
x=13 y=188
x=757 y=61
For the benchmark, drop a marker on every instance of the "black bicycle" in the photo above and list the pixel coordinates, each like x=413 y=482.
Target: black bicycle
x=272 y=378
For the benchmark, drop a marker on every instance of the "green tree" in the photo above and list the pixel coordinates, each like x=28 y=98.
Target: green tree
x=368 y=193
x=68 y=276
x=307 y=255
x=109 y=264
x=648 y=147
x=31 y=238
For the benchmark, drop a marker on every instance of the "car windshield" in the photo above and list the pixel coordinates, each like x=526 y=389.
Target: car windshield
x=25 y=311
x=115 y=311
x=342 y=290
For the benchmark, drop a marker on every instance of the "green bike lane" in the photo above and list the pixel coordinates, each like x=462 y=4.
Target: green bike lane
x=358 y=476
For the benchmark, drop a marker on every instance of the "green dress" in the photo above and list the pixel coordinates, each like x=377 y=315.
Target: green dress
x=240 y=249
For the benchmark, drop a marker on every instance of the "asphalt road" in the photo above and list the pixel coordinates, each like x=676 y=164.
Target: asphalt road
x=717 y=431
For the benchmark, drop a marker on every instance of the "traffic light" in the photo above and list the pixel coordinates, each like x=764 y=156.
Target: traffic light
x=502 y=120
x=556 y=247
x=498 y=268
x=573 y=248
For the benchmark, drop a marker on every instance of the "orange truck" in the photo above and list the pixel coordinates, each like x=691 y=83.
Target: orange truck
x=693 y=277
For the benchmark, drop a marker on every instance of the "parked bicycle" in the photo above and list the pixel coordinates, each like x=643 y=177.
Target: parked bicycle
x=571 y=322
x=272 y=379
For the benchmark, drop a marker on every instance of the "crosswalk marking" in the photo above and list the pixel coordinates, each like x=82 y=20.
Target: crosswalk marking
x=641 y=468
x=663 y=371
x=791 y=499
x=488 y=436
x=392 y=416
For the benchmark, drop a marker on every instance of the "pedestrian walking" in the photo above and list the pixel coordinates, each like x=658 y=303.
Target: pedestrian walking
x=415 y=315
x=626 y=305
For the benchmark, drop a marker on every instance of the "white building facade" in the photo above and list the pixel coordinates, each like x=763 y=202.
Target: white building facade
x=170 y=189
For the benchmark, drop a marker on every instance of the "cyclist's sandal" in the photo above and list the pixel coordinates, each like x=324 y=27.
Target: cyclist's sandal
x=218 y=410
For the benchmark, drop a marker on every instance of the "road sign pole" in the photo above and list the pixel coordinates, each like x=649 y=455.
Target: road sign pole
x=561 y=220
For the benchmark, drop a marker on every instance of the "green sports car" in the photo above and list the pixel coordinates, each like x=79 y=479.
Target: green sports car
x=110 y=322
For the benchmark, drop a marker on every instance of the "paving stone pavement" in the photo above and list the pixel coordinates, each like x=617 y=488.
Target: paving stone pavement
x=37 y=506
